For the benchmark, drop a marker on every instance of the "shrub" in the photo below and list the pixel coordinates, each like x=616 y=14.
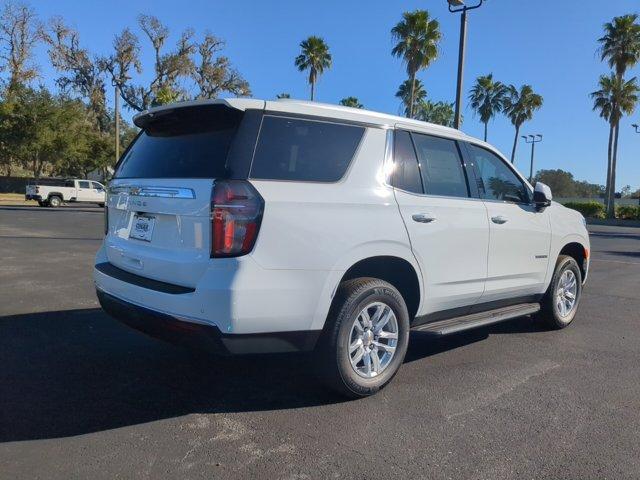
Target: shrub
x=591 y=209
x=628 y=212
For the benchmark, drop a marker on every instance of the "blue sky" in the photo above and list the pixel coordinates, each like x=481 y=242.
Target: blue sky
x=548 y=44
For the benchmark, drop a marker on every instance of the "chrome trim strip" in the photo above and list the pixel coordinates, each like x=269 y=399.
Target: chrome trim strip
x=147 y=191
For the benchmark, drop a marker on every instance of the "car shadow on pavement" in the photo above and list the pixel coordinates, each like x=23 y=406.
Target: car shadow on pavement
x=74 y=372
x=79 y=371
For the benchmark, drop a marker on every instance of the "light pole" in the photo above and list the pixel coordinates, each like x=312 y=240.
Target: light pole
x=456 y=6
x=532 y=139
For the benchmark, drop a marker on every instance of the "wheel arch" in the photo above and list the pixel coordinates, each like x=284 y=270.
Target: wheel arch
x=579 y=252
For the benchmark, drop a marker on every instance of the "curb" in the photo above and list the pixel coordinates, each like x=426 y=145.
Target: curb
x=617 y=222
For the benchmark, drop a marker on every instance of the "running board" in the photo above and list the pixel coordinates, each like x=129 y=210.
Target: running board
x=466 y=322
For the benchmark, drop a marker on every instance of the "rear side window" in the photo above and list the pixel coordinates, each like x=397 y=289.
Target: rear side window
x=188 y=142
x=441 y=166
x=83 y=185
x=406 y=172
x=304 y=150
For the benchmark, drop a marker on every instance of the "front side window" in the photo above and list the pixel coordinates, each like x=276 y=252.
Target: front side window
x=496 y=180
x=406 y=172
x=83 y=185
x=441 y=166
x=96 y=185
x=304 y=150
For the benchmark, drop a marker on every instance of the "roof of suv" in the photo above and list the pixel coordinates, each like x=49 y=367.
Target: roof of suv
x=316 y=109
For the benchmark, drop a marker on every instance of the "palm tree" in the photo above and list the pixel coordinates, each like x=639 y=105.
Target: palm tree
x=283 y=95
x=519 y=106
x=615 y=98
x=314 y=57
x=418 y=36
x=440 y=113
x=487 y=98
x=351 y=102
x=404 y=93
x=620 y=47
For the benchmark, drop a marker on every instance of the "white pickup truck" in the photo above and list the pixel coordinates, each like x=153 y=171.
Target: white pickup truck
x=52 y=192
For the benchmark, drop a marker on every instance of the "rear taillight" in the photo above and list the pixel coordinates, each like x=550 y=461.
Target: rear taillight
x=37 y=189
x=236 y=213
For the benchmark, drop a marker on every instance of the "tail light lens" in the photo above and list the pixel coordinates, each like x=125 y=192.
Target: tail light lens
x=236 y=213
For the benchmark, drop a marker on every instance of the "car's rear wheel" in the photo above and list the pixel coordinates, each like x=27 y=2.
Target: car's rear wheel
x=55 y=201
x=365 y=339
x=560 y=303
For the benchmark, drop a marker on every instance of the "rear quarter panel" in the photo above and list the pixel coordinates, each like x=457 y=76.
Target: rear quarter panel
x=327 y=227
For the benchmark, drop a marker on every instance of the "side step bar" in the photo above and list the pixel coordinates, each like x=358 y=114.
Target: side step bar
x=466 y=322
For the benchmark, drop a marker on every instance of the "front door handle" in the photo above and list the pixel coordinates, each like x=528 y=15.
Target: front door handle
x=423 y=218
x=499 y=219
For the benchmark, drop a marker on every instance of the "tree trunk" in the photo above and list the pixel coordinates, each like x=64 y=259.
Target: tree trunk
x=515 y=144
x=609 y=153
x=313 y=87
x=485 y=130
x=611 y=210
x=413 y=94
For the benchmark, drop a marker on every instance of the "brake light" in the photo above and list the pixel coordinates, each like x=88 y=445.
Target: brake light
x=236 y=213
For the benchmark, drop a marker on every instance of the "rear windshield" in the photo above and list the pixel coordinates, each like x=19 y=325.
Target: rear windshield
x=188 y=142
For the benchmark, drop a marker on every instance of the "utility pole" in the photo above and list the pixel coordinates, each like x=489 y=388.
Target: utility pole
x=117 y=108
x=532 y=139
x=456 y=6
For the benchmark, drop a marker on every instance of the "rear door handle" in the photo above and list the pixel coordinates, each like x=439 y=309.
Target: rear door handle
x=423 y=218
x=499 y=219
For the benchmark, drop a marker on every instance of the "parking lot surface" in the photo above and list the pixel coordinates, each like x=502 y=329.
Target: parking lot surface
x=82 y=396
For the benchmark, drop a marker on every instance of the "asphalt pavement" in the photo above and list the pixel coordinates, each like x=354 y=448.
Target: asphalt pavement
x=82 y=396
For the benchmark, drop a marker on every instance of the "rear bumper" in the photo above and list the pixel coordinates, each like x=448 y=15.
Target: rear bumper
x=203 y=337
x=33 y=197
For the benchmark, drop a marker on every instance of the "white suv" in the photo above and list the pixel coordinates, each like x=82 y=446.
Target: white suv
x=250 y=226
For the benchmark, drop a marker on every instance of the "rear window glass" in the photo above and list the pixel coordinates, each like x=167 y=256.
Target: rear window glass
x=304 y=150
x=188 y=142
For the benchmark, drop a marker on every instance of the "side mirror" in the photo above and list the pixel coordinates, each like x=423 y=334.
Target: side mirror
x=542 y=195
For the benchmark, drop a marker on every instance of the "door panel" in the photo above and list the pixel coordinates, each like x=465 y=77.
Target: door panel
x=448 y=230
x=518 y=251
x=84 y=193
x=520 y=235
x=450 y=246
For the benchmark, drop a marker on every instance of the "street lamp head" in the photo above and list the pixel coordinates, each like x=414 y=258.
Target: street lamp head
x=525 y=137
x=456 y=3
x=635 y=125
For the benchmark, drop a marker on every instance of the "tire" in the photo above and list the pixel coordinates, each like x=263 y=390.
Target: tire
x=55 y=201
x=101 y=205
x=41 y=203
x=333 y=359
x=567 y=277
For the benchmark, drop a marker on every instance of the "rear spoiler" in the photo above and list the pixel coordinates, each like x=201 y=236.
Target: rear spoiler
x=143 y=118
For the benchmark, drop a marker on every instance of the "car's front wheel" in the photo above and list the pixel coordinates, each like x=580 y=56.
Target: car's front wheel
x=560 y=303
x=365 y=339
